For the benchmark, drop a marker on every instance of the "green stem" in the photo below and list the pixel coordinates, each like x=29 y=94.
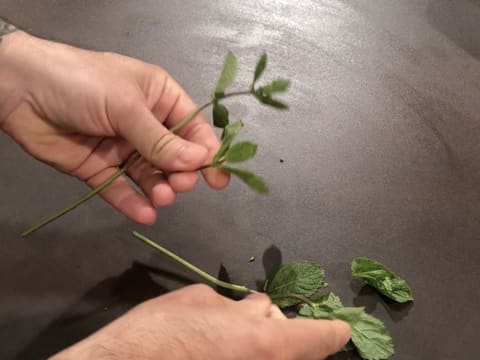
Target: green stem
x=211 y=279
x=85 y=198
x=136 y=156
x=190 y=117
x=206 y=276
x=234 y=93
x=300 y=298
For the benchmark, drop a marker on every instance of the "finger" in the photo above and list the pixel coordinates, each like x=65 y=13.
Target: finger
x=183 y=182
x=108 y=152
x=173 y=106
x=198 y=295
x=122 y=196
x=153 y=183
x=166 y=151
x=257 y=305
x=200 y=132
x=309 y=339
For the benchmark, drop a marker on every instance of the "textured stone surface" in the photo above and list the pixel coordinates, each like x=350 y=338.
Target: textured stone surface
x=381 y=158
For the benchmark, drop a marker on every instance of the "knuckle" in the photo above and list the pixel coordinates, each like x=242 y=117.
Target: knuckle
x=162 y=145
x=199 y=291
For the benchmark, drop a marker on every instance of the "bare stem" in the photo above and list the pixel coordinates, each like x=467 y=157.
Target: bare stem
x=207 y=277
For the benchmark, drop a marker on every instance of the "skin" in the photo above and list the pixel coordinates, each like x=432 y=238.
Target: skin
x=84 y=113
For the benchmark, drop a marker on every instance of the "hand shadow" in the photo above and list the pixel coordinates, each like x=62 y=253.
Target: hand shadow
x=103 y=303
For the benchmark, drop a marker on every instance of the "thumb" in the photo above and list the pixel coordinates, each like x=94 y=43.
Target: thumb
x=163 y=149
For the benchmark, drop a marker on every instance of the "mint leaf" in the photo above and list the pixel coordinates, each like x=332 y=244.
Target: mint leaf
x=322 y=308
x=328 y=301
x=261 y=64
x=381 y=278
x=276 y=86
x=228 y=73
x=240 y=152
x=229 y=133
x=220 y=115
x=369 y=334
x=255 y=182
x=302 y=278
x=267 y=99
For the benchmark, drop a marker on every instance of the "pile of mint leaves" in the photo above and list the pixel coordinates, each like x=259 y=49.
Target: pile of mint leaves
x=370 y=338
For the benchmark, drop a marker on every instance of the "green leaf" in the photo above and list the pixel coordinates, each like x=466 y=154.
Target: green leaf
x=255 y=182
x=369 y=334
x=276 y=86
x=228 y=73
x=381 y=278
x=220 y=115
x=268 y=100
x=240 y=152
x=302 y=278
x=322 y=308
x=261 y=64
x=229 y=133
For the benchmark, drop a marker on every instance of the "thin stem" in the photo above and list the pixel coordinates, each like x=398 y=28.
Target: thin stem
x=86 y=197
x=300 y=298
x=190 y=117
x=234 y=93
x=207 y=277
x=211 y=279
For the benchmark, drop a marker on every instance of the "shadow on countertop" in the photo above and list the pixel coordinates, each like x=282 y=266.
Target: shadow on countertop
x=103 y=303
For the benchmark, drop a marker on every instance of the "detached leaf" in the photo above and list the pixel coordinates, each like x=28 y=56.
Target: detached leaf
x=255 y=182
x=228 y=73
x=369 y=334
x=240 y=152
x=229 y=133
x=296 y=278
x=261 y=64
x=381 y=278
x=276 y=86
x=220 y=115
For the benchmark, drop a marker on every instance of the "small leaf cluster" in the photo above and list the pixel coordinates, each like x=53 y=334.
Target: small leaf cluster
x=245 y=150
x=370 y=338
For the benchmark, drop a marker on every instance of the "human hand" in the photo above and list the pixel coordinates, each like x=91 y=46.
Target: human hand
x=86 y=112
x=197 y=323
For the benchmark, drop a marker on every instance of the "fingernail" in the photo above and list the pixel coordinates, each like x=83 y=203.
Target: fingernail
x=189 y=153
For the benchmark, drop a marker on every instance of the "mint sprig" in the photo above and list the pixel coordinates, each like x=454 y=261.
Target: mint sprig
x=220 y=116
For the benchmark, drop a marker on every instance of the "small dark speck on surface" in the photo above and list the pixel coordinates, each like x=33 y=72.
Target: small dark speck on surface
x=281 y=160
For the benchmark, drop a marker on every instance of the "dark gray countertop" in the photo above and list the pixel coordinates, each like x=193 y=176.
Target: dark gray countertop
x=381 y=155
